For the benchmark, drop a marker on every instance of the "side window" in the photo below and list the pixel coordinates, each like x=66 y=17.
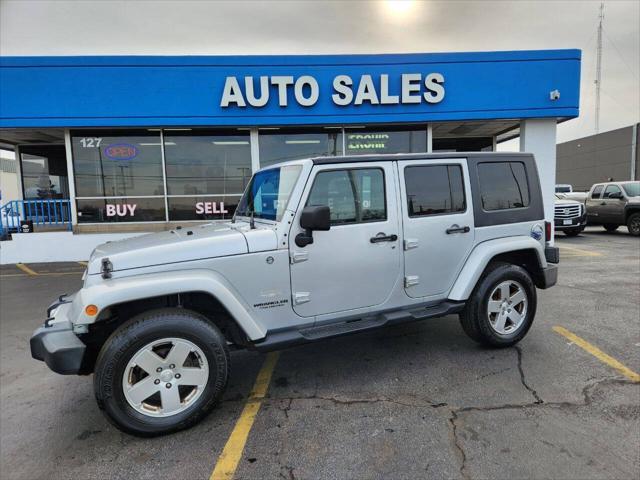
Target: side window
x=611 y=189
x=353 y=195
x=503 y=185
x=596 y=191
x=434 y=189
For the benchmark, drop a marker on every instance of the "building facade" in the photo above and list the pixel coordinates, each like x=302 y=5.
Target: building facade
x=598 y=158
x=139 y=143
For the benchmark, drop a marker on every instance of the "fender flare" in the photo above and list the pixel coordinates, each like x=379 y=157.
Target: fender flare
x=482 y=254
x=120 y=290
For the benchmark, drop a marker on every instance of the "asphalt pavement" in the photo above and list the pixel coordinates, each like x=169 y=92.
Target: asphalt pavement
x=419 y=400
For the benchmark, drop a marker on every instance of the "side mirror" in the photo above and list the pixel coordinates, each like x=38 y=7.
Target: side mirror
x=313 y=218
x=616 y=195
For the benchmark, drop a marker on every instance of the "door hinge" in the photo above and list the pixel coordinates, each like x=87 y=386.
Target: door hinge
x=301 y=297
x=411 y=280
x=410 y=243
x=297 y=257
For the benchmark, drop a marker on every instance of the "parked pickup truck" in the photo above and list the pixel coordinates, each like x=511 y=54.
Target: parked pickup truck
x=613 y=204
x=570 y=216
x=317 y=248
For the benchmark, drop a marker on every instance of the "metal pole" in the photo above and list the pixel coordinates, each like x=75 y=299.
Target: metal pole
x=71 y=178
x=599 y=68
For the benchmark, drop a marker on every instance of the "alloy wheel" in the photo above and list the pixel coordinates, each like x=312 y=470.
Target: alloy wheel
x=165 y=377
x=507 y=307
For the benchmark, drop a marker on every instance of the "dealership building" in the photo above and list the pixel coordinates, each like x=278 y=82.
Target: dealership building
x=132 y=144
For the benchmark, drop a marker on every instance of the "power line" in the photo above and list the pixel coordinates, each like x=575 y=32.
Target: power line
x=620 y=55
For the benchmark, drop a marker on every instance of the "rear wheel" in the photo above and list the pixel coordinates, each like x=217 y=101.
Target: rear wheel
x=610 y=227
x=162 y=371
x=633 y=224
x=501 y=307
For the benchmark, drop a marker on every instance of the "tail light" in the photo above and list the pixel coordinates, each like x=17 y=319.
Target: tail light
x=547 y=231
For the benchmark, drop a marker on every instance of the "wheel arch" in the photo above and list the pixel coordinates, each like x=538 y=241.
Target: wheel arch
x=205 y=292
x=522 y=251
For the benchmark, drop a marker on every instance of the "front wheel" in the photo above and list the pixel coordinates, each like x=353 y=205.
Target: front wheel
x=501 y=307
x=633 y=224
x=162 y=371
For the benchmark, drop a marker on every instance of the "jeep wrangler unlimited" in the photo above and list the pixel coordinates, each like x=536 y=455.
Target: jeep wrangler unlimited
x=316 y=248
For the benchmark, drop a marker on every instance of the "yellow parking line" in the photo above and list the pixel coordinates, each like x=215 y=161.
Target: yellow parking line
x=52 y=274
x=26 y=269
x=230 y=456
x=579 y=252
x=599 y=354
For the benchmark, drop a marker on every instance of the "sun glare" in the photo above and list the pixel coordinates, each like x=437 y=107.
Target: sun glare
x=398 y=8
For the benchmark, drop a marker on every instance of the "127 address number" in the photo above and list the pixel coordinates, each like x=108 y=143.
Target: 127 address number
x=90 y=142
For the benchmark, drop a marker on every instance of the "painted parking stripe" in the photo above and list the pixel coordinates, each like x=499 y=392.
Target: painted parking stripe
x=578 y=252
x=26 y=269
x=44 y=274
x=232 y=452
x=599 y=354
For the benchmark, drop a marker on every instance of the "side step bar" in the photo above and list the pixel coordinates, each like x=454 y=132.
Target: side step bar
x=290 y=337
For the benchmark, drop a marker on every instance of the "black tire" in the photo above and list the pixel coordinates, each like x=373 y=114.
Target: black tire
x=633 y=224
x=138 y=332
x=573 y=232
x=610 y=227
x=475 y=319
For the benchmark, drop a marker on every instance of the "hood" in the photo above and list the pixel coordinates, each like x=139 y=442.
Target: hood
x=183 y=245
x=565 y=201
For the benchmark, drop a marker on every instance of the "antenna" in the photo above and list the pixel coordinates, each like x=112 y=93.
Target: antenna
x=599 y=67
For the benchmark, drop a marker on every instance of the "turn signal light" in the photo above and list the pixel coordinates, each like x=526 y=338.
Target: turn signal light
x=91 y=310
x=547 y=231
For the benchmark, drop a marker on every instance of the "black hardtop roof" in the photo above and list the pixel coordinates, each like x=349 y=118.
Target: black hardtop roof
x=413 y=156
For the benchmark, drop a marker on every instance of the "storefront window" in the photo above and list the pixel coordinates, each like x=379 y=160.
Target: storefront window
x=110 y=164
x=281 y=145
x=44 y=172
x=203 y=163
x=381 y=140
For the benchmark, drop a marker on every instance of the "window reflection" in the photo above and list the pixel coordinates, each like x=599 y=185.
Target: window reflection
x=281 y=145
x=199 y=163
x=44 y=172
x=122 y=164
x=384 y=140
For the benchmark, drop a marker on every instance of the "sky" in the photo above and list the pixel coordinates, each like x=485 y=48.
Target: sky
x=147 y=27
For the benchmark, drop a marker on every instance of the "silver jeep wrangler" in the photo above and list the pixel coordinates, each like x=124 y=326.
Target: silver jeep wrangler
x=317 y=248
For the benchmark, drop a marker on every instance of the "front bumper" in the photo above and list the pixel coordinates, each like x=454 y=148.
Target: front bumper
x=577 y=222
x=55 y=343
x=59 y=348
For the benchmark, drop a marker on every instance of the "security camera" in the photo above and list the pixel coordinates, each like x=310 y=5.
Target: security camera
x=554 y=95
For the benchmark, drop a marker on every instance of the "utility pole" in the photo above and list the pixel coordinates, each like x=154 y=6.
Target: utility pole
x=599 y=67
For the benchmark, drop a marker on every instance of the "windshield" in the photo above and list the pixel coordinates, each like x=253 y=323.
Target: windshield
x=563 y=189
x=268 y=193
x=632 y=189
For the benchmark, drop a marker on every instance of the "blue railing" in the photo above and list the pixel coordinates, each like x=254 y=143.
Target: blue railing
x=40 y=212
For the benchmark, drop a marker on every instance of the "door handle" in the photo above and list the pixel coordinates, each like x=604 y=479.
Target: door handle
x=381 y=237
x=456 y=229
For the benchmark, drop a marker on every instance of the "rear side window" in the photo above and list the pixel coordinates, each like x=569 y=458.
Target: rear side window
x=352 y=195
x=611 y=189
x=503 y=185
x=434 y=189
x=596 y=191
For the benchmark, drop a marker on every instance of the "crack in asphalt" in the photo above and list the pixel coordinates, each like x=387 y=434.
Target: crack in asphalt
x=459 y=451
x=522 y=379
x=454 y=413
